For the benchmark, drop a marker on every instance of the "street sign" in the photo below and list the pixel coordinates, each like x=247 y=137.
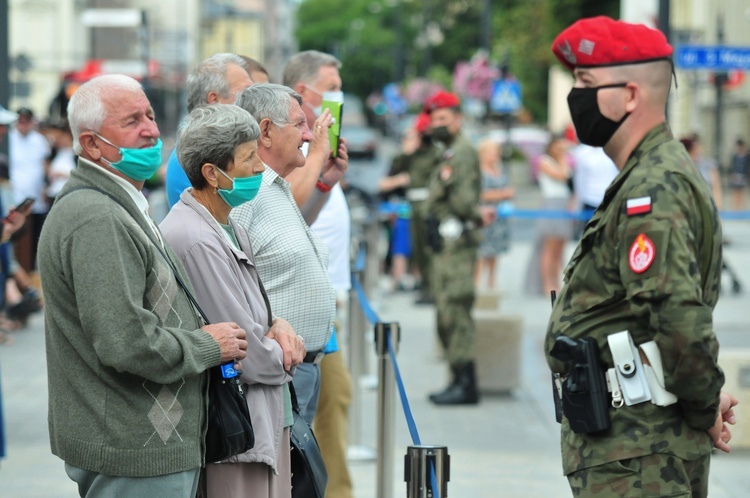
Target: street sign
x=506 y=96
x=112 y=18
x=713 y=58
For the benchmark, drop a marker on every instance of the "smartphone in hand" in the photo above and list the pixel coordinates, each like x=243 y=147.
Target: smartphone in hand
x=21 y=207
x=334 y=131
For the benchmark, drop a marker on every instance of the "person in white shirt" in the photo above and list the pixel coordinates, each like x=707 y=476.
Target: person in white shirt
x=28 y=153
x=315 y=77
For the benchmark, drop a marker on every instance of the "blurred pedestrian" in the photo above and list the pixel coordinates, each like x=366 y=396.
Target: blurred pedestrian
x=64 y=161
x=28 y=152
x=648 y=266
x=215 y=80
x=495 y=189
x=453 y=204
x=593 y=172
x=126 y=352
x=555 y=177
x=706 y=166
x=739 y=171
x=217 y=146
x=392 y=188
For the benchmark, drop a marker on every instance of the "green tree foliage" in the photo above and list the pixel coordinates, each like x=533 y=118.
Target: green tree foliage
x=431 y=36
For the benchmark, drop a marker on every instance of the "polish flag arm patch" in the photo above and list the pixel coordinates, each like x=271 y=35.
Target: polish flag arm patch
x=639 y=205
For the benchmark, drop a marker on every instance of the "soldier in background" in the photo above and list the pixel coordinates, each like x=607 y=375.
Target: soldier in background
x=411 y=170
x=454 y=226
x=649 y=263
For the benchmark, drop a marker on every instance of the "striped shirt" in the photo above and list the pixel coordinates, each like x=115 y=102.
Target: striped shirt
x=292 y=261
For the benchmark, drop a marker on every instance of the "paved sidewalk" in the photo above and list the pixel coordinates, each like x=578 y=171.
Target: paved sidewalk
x=504 y=447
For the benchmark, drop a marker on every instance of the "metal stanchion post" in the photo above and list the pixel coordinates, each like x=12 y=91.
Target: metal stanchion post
x=419 y=463
x=357 y=451
x=386 y=407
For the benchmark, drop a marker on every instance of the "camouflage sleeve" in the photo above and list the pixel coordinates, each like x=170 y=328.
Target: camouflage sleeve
x=658 y=261
x=460 y=191
x=399 y=164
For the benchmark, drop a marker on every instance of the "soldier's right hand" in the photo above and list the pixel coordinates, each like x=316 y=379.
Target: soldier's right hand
x=231 y=340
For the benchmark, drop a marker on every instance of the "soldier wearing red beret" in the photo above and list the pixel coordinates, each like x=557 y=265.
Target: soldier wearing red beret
x=455 y=221
x=641 y=285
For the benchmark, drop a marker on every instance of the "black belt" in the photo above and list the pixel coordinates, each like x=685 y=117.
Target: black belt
x=314 y=357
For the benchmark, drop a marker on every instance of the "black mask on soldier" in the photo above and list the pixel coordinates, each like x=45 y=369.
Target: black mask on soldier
x=426 y=139
x=442 y=134
x=592 y=127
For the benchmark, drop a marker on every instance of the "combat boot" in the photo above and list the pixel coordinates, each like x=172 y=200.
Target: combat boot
x=463 y=389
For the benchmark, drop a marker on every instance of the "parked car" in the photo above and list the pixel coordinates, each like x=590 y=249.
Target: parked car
x=361 y=141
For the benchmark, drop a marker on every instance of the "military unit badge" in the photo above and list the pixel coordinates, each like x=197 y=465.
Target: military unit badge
x=641 y=254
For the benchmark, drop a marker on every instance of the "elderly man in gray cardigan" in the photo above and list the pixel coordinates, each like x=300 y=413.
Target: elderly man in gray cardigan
x=126 y=352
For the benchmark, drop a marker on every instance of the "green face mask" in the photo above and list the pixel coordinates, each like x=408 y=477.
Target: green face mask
x=243 y=189
x=137 y=164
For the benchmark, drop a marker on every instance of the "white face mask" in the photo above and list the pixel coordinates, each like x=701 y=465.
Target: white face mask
x=329 y=96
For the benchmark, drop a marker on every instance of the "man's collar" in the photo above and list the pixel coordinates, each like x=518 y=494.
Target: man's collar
x=134 y=193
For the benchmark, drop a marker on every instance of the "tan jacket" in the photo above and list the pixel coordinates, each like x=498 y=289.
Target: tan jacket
x=226 y=287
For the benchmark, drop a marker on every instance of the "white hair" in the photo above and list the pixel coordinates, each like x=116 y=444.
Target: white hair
x=86 y=111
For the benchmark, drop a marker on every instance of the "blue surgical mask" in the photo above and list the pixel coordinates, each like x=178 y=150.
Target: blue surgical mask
x=243 y=189
x=137 y=164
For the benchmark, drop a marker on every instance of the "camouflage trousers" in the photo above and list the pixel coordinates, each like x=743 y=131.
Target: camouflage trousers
x=420 y=252
x=453 y=289
x=657 y=475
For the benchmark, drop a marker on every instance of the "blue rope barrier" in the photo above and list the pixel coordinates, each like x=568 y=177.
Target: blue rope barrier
x=373 y=318
x=507 y=210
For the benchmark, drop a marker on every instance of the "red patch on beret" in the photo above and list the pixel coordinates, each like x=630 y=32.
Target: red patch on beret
x=602 y=41
x=422 y=122
x=441 y=100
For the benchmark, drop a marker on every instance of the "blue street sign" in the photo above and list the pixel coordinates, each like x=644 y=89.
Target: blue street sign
x=715 y=58
x=506 y=96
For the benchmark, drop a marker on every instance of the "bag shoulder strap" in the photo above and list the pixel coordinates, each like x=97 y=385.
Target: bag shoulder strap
x=185 y=289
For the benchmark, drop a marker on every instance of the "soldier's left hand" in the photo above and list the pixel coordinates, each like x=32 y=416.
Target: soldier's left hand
x=720 y=433
x=489 y=214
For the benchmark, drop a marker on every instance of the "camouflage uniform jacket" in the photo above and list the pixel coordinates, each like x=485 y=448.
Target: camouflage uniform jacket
x=458 y=194
x=656 y=274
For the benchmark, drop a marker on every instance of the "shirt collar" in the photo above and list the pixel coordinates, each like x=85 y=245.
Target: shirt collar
x=135 y=194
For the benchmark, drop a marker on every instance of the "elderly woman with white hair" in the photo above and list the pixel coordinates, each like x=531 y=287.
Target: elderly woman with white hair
x=217 y=146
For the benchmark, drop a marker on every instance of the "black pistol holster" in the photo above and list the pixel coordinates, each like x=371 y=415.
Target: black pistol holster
x=583 y=392
x=434 y=239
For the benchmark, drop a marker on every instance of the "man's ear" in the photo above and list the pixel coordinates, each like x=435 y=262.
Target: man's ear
x=300 y=88
x=633 y=97
x=265 y=138
x=89 y=146
x=212 y=97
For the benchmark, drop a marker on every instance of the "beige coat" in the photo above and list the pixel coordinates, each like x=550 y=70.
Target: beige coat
x=226 y=287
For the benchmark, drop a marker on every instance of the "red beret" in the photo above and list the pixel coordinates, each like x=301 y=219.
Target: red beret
x=441 y=100
x=422 y=122
x=602 y=41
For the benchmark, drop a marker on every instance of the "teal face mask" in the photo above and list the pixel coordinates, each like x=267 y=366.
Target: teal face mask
x=243 y=189
x=138 y=164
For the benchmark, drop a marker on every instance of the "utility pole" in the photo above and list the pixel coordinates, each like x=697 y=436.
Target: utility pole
x=720 y=78
x=664 y=27
x=4 y=64
x=485 y=41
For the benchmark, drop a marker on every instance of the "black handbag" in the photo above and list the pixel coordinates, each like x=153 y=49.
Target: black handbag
x=230 y=430
x=309 y=474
